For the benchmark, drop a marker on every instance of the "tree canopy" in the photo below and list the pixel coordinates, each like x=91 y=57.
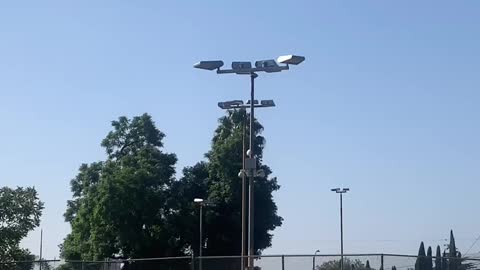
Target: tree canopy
x=20 y=211
x=348 y=264
x=120 y=205
x=217 y=181
x=130 y=205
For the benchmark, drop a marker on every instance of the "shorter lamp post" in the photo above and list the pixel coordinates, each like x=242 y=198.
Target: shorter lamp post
x=201 y=203
x=314 y=255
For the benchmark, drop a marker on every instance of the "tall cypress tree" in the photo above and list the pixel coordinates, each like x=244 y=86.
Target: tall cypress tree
x=438 y=259
x=420 y=263
x=216 y=180
x=367 y=265
x=453 y=262
x=428 y=260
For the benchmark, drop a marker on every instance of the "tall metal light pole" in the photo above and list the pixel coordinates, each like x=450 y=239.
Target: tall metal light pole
x=238 y=104
x=341 y=191
x=251 y=155
x=250 y=164
x=201 y=203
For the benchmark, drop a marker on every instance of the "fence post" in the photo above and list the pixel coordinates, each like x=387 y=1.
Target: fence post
x=283 y=262
x=193 y=262
x=381 y=261
x=82 y=263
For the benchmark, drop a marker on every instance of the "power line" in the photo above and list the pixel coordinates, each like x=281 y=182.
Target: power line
x=476 y=240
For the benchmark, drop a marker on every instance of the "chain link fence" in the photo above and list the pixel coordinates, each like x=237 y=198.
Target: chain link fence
x=264 y=262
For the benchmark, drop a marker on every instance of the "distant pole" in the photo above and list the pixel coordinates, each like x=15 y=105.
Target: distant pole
x=314 y=255
x=41 y=247
x=341 y=230
x=341 y=191
x=201 y=238
x=200 y=203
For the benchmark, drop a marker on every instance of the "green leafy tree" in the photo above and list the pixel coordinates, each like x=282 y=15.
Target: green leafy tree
x=348 y=264
x=121 y=206
x=217 y=180
x=22 y=260
x=429 y=259
x=20 y=211
x=394 y=267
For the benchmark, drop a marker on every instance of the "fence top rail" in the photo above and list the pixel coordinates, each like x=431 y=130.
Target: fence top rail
x=236 y=257
x=433 y=257
x=38 y=261
x=130 y=260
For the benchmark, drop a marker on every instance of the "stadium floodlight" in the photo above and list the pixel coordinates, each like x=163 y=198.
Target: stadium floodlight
x=230 y=104
x=198 y=200
x=291 y=59
x=255 y=102
x=209 y=65
x=267 y=103
x=335 y=189
x=241 y=65
x=266 y=64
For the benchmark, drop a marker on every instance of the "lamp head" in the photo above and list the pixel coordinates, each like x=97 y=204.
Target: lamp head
x=291 y=59
x=209 y=65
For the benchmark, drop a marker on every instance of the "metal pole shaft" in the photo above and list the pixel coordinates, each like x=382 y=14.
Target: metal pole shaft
x=201 y=238
x=244 y=188
x=41 y=248
x=341 y=231
x=313 y=264
x=381 y=262
x=251 y=178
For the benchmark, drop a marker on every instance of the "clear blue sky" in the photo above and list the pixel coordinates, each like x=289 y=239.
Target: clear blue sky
x=386 y=104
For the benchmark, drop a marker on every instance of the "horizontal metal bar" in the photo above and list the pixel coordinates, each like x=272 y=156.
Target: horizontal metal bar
x=236 y=257
x=132 y=260
x=42 y=261
x=246 y=106
x=248 y=71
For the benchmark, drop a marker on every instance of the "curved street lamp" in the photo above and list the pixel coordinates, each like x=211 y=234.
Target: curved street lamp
x=315 y=255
